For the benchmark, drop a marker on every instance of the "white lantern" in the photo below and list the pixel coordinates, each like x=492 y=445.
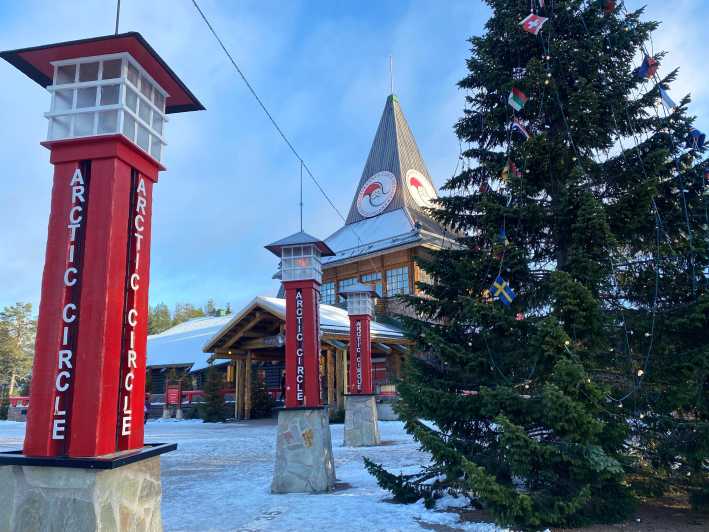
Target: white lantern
x=360 y=299
x=107 y=95
x=301 y=256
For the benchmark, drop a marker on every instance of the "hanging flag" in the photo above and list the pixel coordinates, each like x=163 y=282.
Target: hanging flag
x=696 y=139
x=607 y=6
x=648 y=68
x=501 y=290
x=502 y=237
x=533 y=23
x=706 y=175
x=669 y=103
x=517 y=99
x=519 y=316
x=516 y=125
x=510 y=168
x=541 y=4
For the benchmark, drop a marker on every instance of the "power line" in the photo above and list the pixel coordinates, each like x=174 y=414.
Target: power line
x=268 y=114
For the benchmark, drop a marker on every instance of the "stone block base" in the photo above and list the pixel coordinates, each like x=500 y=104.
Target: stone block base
x=361 y=421
x=304 y=462
x=385 y=409
x=41 y=498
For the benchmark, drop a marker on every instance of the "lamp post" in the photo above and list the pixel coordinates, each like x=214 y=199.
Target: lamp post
x=361 y=419
x=106 y=134
x=304 y=461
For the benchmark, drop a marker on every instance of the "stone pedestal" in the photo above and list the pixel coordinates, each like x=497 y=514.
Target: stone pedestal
x=304 y=462
x=361 y=421
x=178 y=413
x=41 y=498
x=166 y=413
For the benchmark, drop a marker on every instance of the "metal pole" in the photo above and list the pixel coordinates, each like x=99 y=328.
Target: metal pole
x=118 y=14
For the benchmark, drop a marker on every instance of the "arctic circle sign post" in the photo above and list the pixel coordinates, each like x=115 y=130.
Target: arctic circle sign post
x=361 y=418
x=304 y=461
x=109 y=100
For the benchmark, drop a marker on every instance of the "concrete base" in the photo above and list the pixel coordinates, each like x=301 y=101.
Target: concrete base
x=40 y=498
x=166 y=412
x=304 y=462
x=361 y=421
x=178 y=414
x=385 y=409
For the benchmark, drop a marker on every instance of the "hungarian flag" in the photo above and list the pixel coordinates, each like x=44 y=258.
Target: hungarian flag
x=517 y=99
x=533 y=23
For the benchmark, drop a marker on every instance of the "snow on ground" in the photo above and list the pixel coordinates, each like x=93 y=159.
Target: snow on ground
x=220 y=475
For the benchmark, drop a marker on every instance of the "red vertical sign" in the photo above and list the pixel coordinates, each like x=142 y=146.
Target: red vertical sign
x=360 y=371
x=302 y=344
x=131 y=391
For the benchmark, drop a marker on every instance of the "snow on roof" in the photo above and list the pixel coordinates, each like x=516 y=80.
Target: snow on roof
x=333 y=320
x=181 y=345
x=381 y=232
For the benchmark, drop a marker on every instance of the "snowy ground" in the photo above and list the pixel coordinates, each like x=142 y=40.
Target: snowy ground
x=219 y=478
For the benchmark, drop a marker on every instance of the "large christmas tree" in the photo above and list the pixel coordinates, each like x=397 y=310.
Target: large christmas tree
x=567 y=330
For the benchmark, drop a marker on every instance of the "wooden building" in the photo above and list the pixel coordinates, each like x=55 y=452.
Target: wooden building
x=386 y=229
x=387 y=226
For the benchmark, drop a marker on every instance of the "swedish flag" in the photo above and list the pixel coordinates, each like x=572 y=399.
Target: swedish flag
x=501 y=290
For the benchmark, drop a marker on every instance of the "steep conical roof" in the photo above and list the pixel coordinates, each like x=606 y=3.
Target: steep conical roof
x=395 y=176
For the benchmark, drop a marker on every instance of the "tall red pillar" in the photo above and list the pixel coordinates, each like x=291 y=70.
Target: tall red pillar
x=360 y=373
x=301 y=274
x=302 y=344
x=110 y=96
x=360 y=308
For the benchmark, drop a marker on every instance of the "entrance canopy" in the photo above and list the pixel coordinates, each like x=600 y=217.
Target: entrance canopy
x=259 y=328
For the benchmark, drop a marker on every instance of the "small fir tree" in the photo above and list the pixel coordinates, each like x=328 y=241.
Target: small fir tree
x=262 y=403
x=590 y=382
x=213 y=410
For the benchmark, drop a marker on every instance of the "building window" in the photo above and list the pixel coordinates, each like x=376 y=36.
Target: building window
x=374 y=278
x=398 y=281
x=344 y=284
x=327 y=293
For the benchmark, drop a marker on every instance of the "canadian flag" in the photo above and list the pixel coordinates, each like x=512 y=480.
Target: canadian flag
x=533 y=23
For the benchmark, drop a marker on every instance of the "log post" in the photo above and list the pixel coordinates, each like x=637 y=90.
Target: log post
x=240 y=390
x=341 y=378
x=247 y=386
x=236 y=389
x=330 y=382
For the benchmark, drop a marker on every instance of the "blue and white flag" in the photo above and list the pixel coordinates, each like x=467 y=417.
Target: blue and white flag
x=669 y=102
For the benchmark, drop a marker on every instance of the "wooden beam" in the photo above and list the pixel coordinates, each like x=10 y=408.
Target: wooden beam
x=341 y=378
x=240 y=390
x=265 y=342
x=244 y=329
x=236 y=389
x=330 y=361
x=247 y=386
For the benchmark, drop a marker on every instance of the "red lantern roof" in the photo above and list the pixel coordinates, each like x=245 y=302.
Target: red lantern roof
x=36 y=61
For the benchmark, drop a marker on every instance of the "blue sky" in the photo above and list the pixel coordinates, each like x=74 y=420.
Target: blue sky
x=232 y=185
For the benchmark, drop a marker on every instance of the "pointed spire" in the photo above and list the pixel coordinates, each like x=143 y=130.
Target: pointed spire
x=395 y=175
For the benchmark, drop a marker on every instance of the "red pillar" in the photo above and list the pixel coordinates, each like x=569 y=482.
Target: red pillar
x=360 y=372
x=302 y=344
x=93 y=309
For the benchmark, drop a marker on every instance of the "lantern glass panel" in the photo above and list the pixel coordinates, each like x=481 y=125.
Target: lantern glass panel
x=128 y=101
x=301 y=263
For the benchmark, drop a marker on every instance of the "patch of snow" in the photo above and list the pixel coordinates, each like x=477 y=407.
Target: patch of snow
x=219 y=479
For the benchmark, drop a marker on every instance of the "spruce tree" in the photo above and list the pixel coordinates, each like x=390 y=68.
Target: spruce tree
x=213 y=410
x=560 y=406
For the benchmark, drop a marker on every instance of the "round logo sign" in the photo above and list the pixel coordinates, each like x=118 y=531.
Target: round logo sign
x=420 y=188
x=376 y=194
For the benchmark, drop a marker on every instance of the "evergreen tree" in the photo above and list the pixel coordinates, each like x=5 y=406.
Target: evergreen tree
x=559 y=407
x=262 y=403
x=184 y=312
x=213 y=410
x=17 y=335
x=159 y=318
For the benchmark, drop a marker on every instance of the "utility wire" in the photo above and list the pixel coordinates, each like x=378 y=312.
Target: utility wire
x=265 y=110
